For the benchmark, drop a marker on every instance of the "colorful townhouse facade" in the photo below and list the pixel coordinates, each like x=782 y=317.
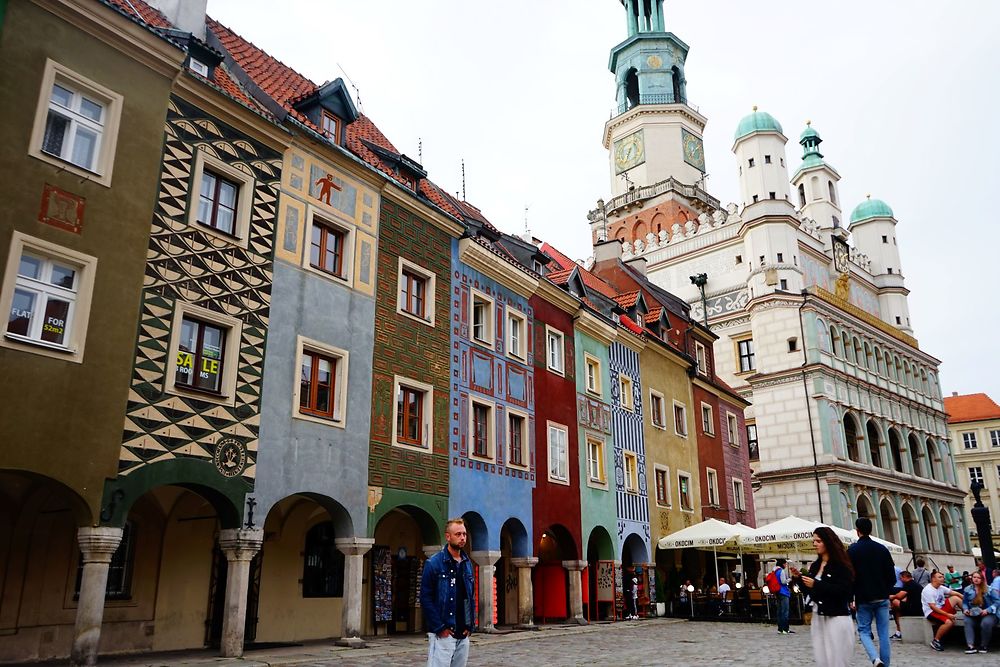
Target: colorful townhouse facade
x=325 y=357
x=85 y=90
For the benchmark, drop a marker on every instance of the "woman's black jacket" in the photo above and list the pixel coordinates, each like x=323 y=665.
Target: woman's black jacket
x=832 y=592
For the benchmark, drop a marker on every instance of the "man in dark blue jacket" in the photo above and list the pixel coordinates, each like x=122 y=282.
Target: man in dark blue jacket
x=448 y=601
x=874 y=578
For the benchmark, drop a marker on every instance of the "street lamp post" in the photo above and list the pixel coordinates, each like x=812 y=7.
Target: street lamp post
x=981 y=517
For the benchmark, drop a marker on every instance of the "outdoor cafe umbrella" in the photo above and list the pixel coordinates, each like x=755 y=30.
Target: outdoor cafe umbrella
x=790 y=534
x=709 y=533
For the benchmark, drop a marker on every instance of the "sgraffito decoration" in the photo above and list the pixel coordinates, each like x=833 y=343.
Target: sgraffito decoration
x=186 y=265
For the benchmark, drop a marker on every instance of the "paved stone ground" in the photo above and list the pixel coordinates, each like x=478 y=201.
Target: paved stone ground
x=675 y=643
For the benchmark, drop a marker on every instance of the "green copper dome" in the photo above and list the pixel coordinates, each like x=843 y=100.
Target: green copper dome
x=758 y=121
x=808 y=133
x=871 y=208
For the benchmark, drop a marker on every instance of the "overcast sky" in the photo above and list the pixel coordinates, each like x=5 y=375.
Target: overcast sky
x=904 y=94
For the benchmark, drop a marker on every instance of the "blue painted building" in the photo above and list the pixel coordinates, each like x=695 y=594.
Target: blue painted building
x=492 y=413
x=631 y=500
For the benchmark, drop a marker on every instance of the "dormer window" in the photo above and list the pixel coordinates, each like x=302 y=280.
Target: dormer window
x=331 y=126
x=198 y=67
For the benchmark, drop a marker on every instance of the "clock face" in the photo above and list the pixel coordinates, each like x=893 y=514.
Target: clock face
x=694 y=150
x=629 y=152
x=841 y=256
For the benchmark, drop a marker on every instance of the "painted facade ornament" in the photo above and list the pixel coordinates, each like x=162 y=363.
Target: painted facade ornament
x=61 y=209
x=327 y=186
x=230 y=457
x=843 y=287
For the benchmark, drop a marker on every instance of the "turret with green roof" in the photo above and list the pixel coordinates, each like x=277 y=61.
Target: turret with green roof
x=758 y=121
x=871 y=208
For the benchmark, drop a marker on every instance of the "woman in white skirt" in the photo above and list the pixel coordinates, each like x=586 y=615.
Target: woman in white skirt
x=830 y=583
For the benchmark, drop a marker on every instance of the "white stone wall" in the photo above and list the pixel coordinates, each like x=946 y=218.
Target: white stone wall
x=763 y=177
x=663 y=148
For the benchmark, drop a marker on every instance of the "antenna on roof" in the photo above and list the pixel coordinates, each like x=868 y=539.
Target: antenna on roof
x=420 y=150
x=526 y=207
x=463 y=179
x=357 y=91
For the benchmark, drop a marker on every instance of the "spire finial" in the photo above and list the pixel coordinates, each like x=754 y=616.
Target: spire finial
x=755 y=108
x=809 y=123
x=868 y=196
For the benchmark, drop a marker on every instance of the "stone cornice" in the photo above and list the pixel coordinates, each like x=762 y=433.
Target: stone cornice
x=863 y=316
x=682 y=110
x=721 y=392
x=594 y=326
x=631 y=340
x=669 y=352
x=882 y=480
x=118 y=32
x=558 y=297
x=481 y=259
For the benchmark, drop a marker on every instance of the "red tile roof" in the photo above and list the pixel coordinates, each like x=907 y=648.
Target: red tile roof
x=595 y=283
x=284 y=85
x=654 y=314
x=627 y=299
x=562 y=260
x=560 y=277
x=970 y=408
x=147 y=13
x=630 y=325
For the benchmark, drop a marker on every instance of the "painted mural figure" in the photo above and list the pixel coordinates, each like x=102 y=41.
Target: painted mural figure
x=327 y=186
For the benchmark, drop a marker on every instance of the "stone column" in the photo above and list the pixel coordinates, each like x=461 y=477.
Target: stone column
x=574 y=568
x=354 y=550
x=239 y=545
x=525 y=593
x=486 y=561
x=97 y=545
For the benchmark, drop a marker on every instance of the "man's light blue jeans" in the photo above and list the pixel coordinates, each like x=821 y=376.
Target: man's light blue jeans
x=879 y=611
x=447 y=651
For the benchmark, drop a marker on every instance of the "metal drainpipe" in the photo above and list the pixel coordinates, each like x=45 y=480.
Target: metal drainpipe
x=812 y=435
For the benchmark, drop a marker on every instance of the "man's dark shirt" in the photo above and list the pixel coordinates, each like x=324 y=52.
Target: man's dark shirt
x=458 y=586
x=874 y=570
x=911 y=605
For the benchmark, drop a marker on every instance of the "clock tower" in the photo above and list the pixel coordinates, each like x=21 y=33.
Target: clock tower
x=654 y=134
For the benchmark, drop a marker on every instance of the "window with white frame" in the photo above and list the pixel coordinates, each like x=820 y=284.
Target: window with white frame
x=47 y=291
x=517 y=334
x=412 y=413
x=592 y=373
x=321 y=389
x=733 y=426
x=76 y=123
x=517 y=439
x=745 y=353
x=481 y=318
x=684 y=491
x=558 y=453
x=625 y=391
x=204 y=348
x=712 y=478
x=225 y=197
x=995 y=437
x=701 y=357
x=680 y=419
x=631 y=463
x=595 y=461
x=554 y=353
x=969 y=440
x=739 y=496
x=481 y=430
x=661 y=478
x=656 y=409
x=415 y=298
x=707 y=419
x=975 y=474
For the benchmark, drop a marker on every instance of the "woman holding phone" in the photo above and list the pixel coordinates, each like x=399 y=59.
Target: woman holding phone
x=830 y=583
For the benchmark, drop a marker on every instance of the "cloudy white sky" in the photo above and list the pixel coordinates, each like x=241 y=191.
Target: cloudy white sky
x=904 y=94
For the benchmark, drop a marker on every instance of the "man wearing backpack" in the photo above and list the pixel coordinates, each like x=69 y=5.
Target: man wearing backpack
x=778 y=578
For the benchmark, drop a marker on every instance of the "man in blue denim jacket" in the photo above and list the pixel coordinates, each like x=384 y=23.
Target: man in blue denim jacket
x=447 y=600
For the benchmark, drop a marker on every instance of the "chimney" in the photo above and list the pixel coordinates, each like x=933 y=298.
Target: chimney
x=186 y=15
x=638 y=263
x=605 y=251
x=954 y=393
